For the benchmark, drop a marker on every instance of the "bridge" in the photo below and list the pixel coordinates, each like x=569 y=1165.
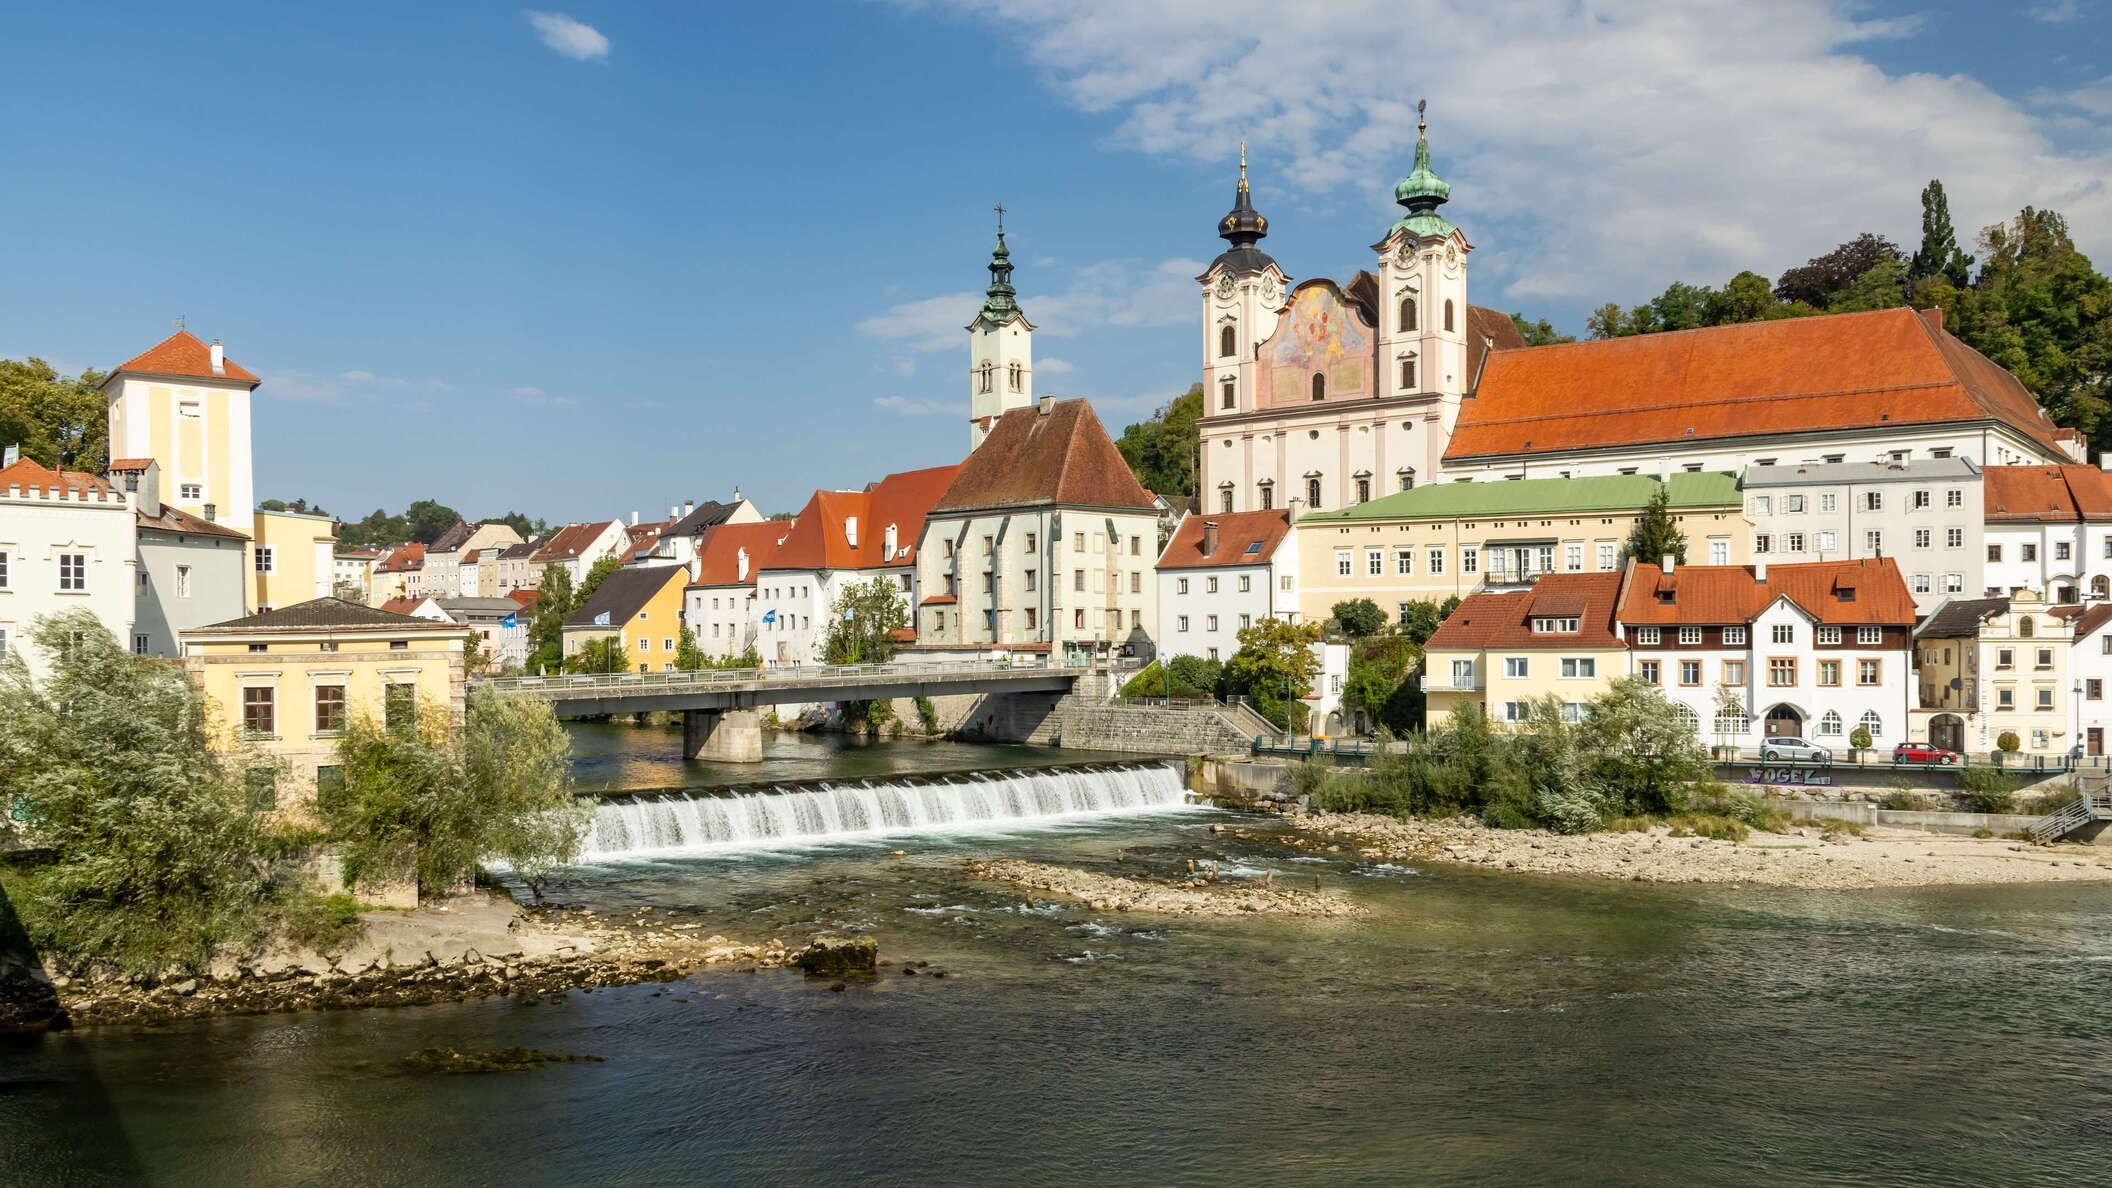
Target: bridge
x=720 y=707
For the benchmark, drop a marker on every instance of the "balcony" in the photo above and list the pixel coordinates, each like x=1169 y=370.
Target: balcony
x=1449 y=683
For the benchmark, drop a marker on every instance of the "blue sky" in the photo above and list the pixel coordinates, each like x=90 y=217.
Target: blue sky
x=605 y=257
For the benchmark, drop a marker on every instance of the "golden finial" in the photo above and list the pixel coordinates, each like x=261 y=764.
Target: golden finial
x=1242 y=163
x=1421 y=125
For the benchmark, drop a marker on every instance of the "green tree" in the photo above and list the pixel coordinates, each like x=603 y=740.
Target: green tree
x=602 y=654
x=60 y=421
x=1643 y=757
x=2040 y=309
x=1608 y=321
x=1275 y=662
x=1420 y=620
x=865 y=615
x=1162 y=451
x=688 y=656
x=1939 y=256
x=1883 y=287
x=519 y=522
x=1360 y=617
x=1817 y=281
x=1383 y=681
x=1656 y=533
x=597 y=573
x=546 y=634
x=153 y=849
x=430 y=805
x=1540 y=333
x=430 y=520
x=299 y=507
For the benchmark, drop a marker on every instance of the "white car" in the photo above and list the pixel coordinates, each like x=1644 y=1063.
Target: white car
x=1784 y=748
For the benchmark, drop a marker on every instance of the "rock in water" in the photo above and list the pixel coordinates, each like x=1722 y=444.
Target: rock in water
x=838 y=956
x=448 y=1060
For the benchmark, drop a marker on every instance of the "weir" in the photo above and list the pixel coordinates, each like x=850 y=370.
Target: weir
x=818 y=812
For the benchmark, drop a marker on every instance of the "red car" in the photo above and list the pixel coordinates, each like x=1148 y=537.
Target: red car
x=1921 y=752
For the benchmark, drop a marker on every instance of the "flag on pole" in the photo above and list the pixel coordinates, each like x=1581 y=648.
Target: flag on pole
x=770 y=616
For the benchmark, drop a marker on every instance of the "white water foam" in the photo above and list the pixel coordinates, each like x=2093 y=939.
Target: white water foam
x=673 y=825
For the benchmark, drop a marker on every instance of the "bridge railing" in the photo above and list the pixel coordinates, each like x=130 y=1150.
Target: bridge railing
x=633 y=682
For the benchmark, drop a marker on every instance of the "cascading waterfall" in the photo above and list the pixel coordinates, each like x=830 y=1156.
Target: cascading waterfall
x=833 y=810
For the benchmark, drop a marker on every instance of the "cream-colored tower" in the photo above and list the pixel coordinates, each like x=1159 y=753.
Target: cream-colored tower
x=1243 y=295
x=1423 y=326
x=186 y=405
x=1000 y=349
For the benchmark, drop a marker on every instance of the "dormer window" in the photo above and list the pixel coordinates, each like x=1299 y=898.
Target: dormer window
x=1555 y=625
x=850 y=531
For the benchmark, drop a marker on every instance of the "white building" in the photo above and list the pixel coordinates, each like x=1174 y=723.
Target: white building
x=1926 y=513
x=721 y=605
x=186 y=405
x=1222 y=573
x=2049 y=529
x=576 y=547
x=67 y=542
x=1995 y=666
x=1000 y=350
x=2090 y=675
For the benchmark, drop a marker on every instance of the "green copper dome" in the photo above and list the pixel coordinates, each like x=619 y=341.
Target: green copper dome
x=1000 y=301
x=1422 y=192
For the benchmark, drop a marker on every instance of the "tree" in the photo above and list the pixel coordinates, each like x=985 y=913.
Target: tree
x=866 y=615
x=1275 y=661
x=1883 y=287
x=474 y=658
x=60 y=421
x=152 y=844
x=596 y=574
x=688 y=656
x=1360 y=617
x=1420 y=620
x=1163 y=451
x=1939 y=256
x=2040 y=309
x=519 y=522
x=602 y=654
x=430 y=520
x=299 y=507
x=1383 y=682
x=1656 y=533
x=1818 y=280
x=1540 y=333
x=553 y=604
x=1644 y=757
x=429 y=805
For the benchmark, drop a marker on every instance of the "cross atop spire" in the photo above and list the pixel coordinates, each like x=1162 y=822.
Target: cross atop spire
x=1000 y=209
x=1001 y=303
x=1422 y=124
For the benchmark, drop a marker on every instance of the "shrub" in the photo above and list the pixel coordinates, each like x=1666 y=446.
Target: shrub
x=324 y=923
x=1988 y=790
x=1360 y=617
x=1859 y=738
x=1708 y=825
x=1900 y=800
x=1838 y=825
x=2008 y=742
x=927 y=715
x=2052 y=800
x=1983 y=832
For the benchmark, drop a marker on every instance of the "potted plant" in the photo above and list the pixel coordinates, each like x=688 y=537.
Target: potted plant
x=1859 y=743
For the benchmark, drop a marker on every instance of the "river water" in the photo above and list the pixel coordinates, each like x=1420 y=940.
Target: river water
x=1479 y=1029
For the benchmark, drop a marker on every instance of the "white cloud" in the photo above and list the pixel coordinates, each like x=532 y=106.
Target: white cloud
x=1596 y=150
x=570 y=38
x=916 y=408
x=539 y=397
x=2057 y=12
x=1110 y=293
x=929 y=324
x=332 y=389
x=1053 y=366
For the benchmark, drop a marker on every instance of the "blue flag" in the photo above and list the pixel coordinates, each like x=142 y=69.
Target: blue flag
x=510 y=621
x=770 y=616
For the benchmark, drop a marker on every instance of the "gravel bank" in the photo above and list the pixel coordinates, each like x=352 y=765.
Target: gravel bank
x=1192 y=896
x=1800 y=858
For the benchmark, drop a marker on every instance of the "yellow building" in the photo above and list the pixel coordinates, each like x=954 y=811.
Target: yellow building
x=186 y=405
x=293 y=558
x=1445 y=539
x=1506 y=650
x=283 y=683
x=641 y=607
x=1993 y=666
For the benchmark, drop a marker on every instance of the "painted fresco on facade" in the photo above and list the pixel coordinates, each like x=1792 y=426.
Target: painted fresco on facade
x=1319 y=334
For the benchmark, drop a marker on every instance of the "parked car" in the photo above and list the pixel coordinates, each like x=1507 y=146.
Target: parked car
x=1796 y=750
x=1921 y=752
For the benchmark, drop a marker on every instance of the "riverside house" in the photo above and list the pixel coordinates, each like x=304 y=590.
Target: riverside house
x=1504 y=650
x=285 y=682
x=1995 y=666
x=642 y=608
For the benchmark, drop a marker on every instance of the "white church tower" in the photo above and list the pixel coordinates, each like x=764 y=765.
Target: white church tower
x=1422 y=278
x=1000 y=348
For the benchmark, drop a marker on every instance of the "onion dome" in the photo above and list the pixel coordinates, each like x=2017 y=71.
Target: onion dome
x=1422 y=191
x=1000 y=300
x=1242 y=228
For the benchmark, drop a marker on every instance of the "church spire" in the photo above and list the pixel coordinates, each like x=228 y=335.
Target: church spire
x=1423 y=191
x=1000 y=301
x=1243 y=227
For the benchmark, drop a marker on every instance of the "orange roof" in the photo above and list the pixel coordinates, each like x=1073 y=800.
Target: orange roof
x=402 y=558
x=1833 y=592
x=570 y=541
x=527 y=598
x=28 y=472
x=1506 y=620
x=184 y=353
x=718 y=553
x=123 y=464
x=401 y=606
x=1243 y=538
x=1063 y=456
x=820 y=537
x=641 y=539
x=1839 y=371
x=2062 y=494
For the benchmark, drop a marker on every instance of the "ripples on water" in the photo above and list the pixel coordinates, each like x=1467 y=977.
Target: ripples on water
x=1481 y=1029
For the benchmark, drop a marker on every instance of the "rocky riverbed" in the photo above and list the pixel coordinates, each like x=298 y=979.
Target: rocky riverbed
x=1806 y=856
x=1198 y=894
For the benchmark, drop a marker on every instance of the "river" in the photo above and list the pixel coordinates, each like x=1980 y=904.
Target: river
x=1478 y=1029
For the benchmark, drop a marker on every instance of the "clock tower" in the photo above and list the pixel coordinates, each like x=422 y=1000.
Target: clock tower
x=1422 y=288
x=1244 y=293
x=1000 y=348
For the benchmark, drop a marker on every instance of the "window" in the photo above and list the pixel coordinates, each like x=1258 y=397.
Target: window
x=1077 y=542
x=399 y=708
x=139 y=645
x=1408 y=372
x=1763 y=543
x=329 y=709
x=1209 y=622
x=1873 y=501
x=259 y=647
x=1407 y=318
x=183 y=577
x=264 y=559
x=1319 y=386
x=2061 y=550
x=259 y=711
x=1793 y=504
x=1687 y=718
x=1690 y=672
x=2025 y=626
x=1783 y=633
x=1872 y=723
x=1649 y=671
x=1828 y=502
x=2043 y=660
x=1580 y=667
x=1344 y=566
x=1829 y=542
x=1135 y=545
x=1781 y=671
x=1136 y=581
x=2093 y=689
x=1032 y=577
x=1829 y=673
x=1921 y=499
x=1954 y=498
x=2005 y=698
x=2027 y=552
x=1462 y=674
x=1922 y=538
x=1953 y=583
x=1649 y=636
x=1734 y=637
x=1868 y=672
x=1516 y=667
x=986 y=371
x=1830 y=724
x=1920 y=583
x=667 y=645
x=1448 y=314
x=1869 y=637
x=1180 y=586
x=1763 y=505
x=1607 y=556
x=1374 y=563
x=1078 y=580
x=3 y=571
x=1031 y=542
x=2005 y=658
x=1829 y=636
x=1404 y=564
x=1994 y=552
x=1689 y=636
x=1436 y=564
x=1227 y=340
x=1406 y=475
x=1312 y=494
x=1573 y=557
x=1737 y=721
x=1555 y=625
x=73 y=571
x=190 y=492
x=1874 y=542
x=1267 y=492
x=1720 y=552
x=1792 y=542
x=1734 y=672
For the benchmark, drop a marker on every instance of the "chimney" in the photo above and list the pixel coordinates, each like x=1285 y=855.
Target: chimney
x=736 y=494
x=1665 y=564
x=688 y=506
x=1290 y=510
x=1209 y=537
x=1933 y=316
x=740 y=566
x=9 y=455
x=1048 y=405
x=219 y=359
x=1760 y=571
x=634 y=519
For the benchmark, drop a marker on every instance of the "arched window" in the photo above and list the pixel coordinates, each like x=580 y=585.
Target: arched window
x=1267 y=492
x=1227 y=341
x=1312 y=494
x=1224 y=499
x=1686 y=717
x=1319 y=386
x=1408 y=313
x=1226 y=390
x=1448 y=313
x=1872 y=723
x=2100 y=586
x=1019 y=374
x=989 y=374
x=1736 y=722
x=1408 y=374
x=2024 y=626
x=1830 y=723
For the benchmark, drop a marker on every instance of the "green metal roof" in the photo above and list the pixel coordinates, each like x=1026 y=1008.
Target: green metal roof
x=1422 y=192
x=1543 y=497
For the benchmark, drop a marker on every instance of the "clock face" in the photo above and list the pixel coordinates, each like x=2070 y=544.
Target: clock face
x=1268 y=291
x=1451 y=253
x=1224 y=285
x=1405 y=253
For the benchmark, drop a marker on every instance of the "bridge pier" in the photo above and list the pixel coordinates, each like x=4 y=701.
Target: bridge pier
x=726 y=736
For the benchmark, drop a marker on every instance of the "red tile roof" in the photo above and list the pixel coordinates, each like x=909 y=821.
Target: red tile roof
x=1506 y=620
x=402 y=558
x=1838 y=371
x=173 y=519
x=1833 y=592
x=124 y=464
x=401 y=606
x=719 y=550
x=1243 y=538
x=1064 y=457
x=28 y=472
x=2059 y=494
x=641 y=539
x=184 y=353
x=820 y=538
x=569 y=541
x=527 y=598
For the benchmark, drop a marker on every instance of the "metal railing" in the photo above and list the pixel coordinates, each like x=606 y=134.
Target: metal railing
x=630 y=682
x=2090 y=804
